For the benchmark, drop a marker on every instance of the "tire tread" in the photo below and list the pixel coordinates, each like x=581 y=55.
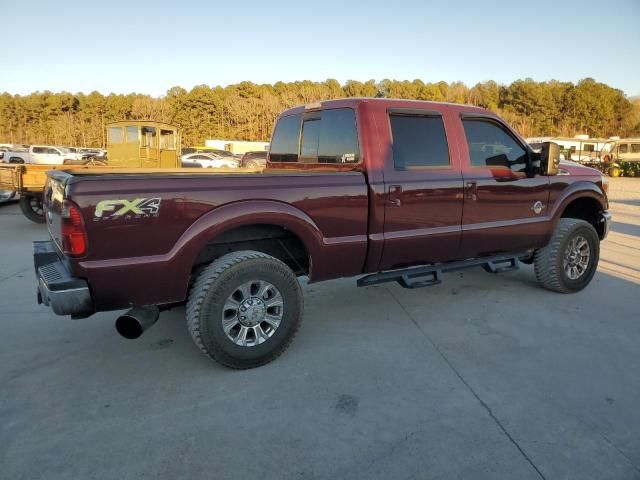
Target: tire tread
x=201 y=287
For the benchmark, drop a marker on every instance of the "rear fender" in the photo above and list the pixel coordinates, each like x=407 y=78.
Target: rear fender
x=238 y=214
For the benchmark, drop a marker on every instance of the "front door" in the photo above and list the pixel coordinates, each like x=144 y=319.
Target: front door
x=423 y=185
x=505 y=210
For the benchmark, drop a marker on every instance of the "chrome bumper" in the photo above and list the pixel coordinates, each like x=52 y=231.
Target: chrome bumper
x=57 y=288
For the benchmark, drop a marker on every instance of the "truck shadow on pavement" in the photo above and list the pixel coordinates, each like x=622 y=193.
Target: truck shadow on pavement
x=626 y=228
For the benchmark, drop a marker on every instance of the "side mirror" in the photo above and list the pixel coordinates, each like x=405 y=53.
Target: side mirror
x=549 y=158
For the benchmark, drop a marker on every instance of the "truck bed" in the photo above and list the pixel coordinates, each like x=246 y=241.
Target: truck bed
x=328 y=210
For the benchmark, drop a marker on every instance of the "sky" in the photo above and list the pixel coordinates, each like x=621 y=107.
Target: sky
x=148 y=47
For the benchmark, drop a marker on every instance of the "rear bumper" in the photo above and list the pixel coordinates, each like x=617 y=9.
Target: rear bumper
x=57 y=288
x=605 y=219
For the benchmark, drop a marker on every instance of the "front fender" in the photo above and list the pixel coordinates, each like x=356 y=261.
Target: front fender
x=581 y=189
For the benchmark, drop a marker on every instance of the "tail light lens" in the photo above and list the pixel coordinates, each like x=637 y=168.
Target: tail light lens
x=74 y=236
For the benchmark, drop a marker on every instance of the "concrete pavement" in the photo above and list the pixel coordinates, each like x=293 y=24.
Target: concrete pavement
x=481 y=377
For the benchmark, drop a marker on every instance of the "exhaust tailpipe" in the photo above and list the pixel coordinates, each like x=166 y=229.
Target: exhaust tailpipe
x=134 y=323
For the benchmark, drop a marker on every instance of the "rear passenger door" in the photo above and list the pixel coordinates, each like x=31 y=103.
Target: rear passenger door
x=505 y=209
x=423 y=184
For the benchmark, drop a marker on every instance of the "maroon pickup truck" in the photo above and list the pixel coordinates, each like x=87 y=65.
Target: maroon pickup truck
x=389 y=190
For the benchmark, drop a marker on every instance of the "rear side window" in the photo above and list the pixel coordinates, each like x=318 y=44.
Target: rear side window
x=284 y=144
x=635 y=148
x=418 y=141
x=328 y=137
x=490 y=145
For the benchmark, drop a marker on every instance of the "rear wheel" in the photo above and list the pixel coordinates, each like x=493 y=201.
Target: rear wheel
x=567 y=264
x=32 y=208
x=252 y=164
x=244 y=309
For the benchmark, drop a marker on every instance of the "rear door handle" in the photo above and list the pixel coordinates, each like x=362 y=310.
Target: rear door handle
x=395 y=195
x=471 y=189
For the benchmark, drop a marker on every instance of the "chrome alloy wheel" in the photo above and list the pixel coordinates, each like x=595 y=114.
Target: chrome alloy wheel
x=252 y=313
x=576 y=257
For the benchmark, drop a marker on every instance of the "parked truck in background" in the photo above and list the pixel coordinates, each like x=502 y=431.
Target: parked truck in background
x=389 y=190
x=44 y=155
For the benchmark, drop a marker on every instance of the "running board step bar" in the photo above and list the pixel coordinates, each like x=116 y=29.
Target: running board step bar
x=428 y=275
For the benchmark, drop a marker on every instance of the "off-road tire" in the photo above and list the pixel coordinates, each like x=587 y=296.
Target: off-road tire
x=211 y=289
x=28 y=209
x=548 y=263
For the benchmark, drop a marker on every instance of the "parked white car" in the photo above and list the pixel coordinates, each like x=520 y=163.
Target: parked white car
x=44 y=154
x=210 y=160
x=6 y=195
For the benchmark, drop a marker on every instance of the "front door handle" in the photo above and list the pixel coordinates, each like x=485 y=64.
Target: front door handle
x=395 y=195
x=471 y=189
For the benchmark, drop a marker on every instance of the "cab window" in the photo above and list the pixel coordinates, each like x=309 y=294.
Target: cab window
x=327 y=137
x=149 y=138
x=132 y=134
x=167 y=140
x=490 y=145
x=115 y=135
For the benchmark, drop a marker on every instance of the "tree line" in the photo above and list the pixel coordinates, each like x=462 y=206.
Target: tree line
x=248 y=111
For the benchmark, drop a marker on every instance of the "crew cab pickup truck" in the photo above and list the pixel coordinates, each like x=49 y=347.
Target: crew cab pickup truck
x=389 y=190
x=45 y=155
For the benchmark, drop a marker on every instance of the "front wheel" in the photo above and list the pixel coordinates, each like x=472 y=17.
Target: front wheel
x=244 y=309
x=32 y=208
x=567 y=264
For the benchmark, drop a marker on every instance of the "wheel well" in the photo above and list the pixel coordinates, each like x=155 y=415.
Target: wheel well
x=270 y=239
x=587 y=209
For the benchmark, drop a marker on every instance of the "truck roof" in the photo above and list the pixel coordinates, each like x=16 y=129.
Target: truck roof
x=389 y=102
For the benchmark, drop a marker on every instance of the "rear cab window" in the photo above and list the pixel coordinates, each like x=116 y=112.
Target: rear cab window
x=320 y=137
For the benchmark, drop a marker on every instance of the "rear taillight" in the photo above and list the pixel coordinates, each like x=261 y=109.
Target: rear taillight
x=74 y=237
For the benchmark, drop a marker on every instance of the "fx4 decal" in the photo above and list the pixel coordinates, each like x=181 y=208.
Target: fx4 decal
x=137 y=208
